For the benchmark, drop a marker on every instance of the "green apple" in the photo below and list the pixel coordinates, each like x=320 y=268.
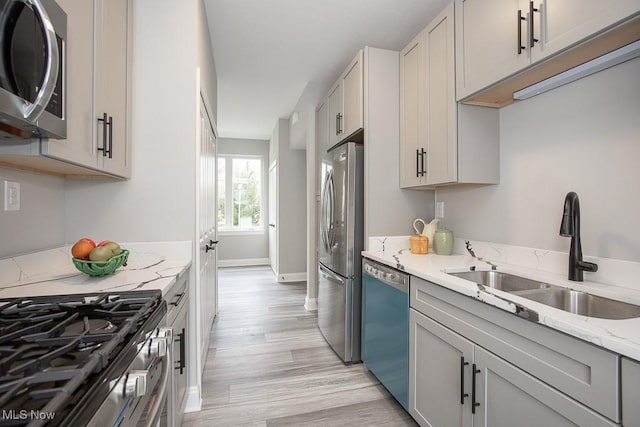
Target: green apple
x=100 y=253
x=114 y=247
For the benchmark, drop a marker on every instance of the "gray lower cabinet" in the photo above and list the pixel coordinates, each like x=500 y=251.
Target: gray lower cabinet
x=439 y=373
x=471 y=364
x=630 y=375
x=177 y=318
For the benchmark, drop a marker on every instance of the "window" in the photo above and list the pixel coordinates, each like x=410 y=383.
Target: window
x=240 y=193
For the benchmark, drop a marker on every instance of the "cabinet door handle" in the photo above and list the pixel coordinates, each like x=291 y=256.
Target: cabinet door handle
x=473 y=389
x=110 y=124
x=423 y=171
x=339 y=126
x=462 y=393
x=520 y=19
x=105 y=123
x=532 y=39
x=182 y=364
x=417 y=163
x=177 y=301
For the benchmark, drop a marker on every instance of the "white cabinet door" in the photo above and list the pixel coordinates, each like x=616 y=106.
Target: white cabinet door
x=487 y=43
x=79 y=147
x=352 y=97
x=206 y=222
x=560 y=23
x=506 y=395
x=336 y=114
x=412 y=123
x=440 y=363
x=113 y=34
x=440 y=105
x=322 y=128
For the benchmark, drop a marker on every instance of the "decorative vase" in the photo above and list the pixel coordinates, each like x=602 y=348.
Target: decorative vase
x=443 y=241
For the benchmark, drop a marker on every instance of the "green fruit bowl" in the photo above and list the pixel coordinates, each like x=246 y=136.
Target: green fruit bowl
x=101 y=268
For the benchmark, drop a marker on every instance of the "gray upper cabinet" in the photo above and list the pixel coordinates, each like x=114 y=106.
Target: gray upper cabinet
x=442 y=142
x=346 y=102
x=98 y=79
x=497 y=40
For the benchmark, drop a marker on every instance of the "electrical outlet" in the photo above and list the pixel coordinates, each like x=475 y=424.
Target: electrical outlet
x=11 y=196
x=439 y=209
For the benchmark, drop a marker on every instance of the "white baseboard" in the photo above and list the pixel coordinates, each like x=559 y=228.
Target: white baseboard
x=292 y=277
x=194 y=401
x=311 y=304
x=245 y=262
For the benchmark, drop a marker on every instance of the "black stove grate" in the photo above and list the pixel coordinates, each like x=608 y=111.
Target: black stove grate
x=54 y=350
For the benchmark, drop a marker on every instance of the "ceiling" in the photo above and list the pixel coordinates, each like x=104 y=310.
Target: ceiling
x=266 y=51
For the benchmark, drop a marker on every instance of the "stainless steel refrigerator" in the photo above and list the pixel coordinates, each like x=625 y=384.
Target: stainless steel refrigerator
x=340 y=247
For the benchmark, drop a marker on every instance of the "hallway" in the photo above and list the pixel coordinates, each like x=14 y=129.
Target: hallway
x=268 y=364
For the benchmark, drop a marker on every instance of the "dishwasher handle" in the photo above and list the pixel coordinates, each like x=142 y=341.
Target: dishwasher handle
x=386 y=275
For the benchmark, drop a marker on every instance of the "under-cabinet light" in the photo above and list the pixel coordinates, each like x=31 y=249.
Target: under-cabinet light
x=600 y=63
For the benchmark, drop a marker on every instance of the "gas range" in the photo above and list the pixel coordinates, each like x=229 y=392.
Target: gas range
x=94 y=359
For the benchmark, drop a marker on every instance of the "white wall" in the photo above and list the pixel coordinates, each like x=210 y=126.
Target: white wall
x=39 y=223
x=238 y=248
x=582 y=137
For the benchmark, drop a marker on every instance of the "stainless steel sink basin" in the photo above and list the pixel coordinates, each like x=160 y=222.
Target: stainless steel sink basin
x=576 y=302
x=503 y=281
x=583 y=303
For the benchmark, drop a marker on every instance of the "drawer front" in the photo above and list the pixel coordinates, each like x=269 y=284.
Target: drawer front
x=630 y=392
x=586 y=373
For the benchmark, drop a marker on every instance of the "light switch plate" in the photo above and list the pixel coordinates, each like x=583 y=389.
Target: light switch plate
x=11 y=196
x=439 y=209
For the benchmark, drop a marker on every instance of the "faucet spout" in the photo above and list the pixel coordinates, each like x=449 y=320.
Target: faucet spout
x=570 y=227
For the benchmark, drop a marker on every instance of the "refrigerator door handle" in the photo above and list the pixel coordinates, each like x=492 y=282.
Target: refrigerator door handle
x=324 y=215
x=332 y=212
x=331 y=276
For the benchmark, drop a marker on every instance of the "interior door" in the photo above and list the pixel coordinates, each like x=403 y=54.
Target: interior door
x=207 y=228
x=273 y=200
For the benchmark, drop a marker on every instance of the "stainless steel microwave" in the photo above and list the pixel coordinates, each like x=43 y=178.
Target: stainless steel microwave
x=32 y=70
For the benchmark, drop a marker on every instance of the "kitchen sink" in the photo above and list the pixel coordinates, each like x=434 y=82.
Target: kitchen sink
x=583 y=303
x=503 y=281
x=569 y=300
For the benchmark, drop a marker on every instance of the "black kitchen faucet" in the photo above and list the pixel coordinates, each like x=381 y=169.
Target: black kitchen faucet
x=570 y=227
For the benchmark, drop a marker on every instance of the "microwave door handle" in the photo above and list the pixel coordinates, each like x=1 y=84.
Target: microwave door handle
x=32 y=111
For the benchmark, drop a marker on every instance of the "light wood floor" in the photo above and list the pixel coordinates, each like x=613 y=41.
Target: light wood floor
x=268 y=364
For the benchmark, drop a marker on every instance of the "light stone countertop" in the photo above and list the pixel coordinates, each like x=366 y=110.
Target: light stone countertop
x=150 y=266
x=620 y=336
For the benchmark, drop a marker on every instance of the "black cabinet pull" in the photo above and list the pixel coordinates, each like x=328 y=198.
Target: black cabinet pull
x=532 y=39
x=338 y=124
x=417 y=163
x=423 y=171
x=110 y=124
x=213 y=242
x=105 y=148
x=473 y=389
x=520 y=19
x=177 y=301
x=182 y=364
x=462 y=393
x=339 y=127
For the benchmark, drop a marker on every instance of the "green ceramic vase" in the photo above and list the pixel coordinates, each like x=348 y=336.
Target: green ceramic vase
x=443 y=241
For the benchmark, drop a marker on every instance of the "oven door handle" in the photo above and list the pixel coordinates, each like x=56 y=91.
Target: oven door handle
x=157 y=405
x=32 y=111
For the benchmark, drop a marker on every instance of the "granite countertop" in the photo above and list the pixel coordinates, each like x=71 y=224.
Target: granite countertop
x=51 y=272
x=620 y=336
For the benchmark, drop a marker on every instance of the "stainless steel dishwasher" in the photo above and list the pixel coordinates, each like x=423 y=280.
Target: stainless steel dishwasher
x=385 y=327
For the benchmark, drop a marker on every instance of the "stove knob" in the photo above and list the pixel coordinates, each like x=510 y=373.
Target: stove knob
x=136 y=384
x=158 y=346
x=166 y=332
